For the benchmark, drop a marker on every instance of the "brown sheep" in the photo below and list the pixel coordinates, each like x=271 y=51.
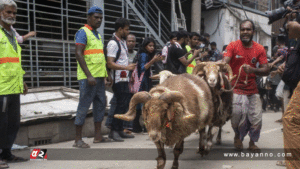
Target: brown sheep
x=212 y=72
x=172 y=111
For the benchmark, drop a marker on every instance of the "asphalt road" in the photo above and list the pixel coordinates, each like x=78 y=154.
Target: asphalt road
x=140 y=152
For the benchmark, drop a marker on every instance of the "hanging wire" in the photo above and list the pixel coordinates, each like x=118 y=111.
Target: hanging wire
x=243 y=8
x=175 y=1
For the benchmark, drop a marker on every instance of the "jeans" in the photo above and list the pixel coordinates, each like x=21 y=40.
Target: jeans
x=88 y=95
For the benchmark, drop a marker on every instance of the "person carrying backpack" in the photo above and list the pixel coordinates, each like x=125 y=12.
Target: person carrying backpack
x=117 y=60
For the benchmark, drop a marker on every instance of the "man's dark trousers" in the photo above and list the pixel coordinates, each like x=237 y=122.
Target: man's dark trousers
x=123 y=96
x=9 y=121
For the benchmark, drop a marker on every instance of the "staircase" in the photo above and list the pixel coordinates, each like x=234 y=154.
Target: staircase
x=145 y=17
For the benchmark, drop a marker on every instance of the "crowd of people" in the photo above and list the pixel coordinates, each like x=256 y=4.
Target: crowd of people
x=113 y=64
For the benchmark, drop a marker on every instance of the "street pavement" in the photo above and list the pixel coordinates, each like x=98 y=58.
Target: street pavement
x=141 y=152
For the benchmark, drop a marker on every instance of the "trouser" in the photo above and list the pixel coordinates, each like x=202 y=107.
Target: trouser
x=264 y=98
x=247 y=116
x=275 y=101
x=88 y=95
x=123 y=96
x=9 y=120
x=113 y=106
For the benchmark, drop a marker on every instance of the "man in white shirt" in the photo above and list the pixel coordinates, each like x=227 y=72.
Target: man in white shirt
x=121 y=67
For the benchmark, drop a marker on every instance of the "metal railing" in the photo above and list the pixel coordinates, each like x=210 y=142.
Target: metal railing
x=49 y=58
x=154 y=17
x=52 y=63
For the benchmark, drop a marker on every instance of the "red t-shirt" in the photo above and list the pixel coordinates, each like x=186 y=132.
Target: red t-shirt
x=241 y=55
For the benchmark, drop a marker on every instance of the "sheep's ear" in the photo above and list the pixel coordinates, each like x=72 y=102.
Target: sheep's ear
x=200 y=74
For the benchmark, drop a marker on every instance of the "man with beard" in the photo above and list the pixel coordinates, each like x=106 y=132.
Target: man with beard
x=247 y=109
x=131 y=42
x=177 y=57
x=120 y=73
x=11 y=83
x=193 y=45
x=91 y=75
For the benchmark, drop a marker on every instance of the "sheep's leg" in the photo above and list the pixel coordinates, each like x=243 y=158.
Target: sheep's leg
x=161 y=159
x=209 y=140
x=178 y=149
x=202 y=141
x=219 y=136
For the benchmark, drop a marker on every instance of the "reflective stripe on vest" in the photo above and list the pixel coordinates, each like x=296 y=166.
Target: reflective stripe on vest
x=11 y=72
x=191 y=66
x=93 y=51
x=93 y=56
x=9 y=60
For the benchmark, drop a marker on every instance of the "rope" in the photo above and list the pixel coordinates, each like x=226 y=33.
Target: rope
x=246 y=81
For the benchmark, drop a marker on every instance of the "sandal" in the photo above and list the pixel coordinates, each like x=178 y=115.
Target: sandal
x=3 y=164
x=103 y=140
x=81 y=144
x=280 y=163
x=14 y=159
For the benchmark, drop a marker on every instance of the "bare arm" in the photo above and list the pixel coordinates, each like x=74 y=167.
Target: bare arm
x=263 y=70
x=28 y=35
x=112 y=65
x=153 y=60
x=185 y=61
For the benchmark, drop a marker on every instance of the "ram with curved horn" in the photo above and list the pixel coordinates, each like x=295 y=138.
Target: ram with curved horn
x=213 y=74
x=172 y=111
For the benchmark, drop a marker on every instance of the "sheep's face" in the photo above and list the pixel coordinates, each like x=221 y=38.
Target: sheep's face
x=154 y=113
x=212 y=75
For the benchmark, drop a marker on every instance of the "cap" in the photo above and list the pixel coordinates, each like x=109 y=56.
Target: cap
x=95 y=9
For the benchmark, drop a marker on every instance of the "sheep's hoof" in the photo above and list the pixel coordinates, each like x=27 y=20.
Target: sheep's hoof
x=201 y=151
x=161 y=162
x=218 y=142
x=174 y=167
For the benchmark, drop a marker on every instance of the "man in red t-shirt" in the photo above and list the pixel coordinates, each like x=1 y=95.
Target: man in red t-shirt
x=247 y=109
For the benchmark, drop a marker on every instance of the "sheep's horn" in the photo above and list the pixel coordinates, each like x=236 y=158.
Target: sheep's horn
x=159 y=89
x=199 y=67
x=140 y=97
x=228 y=70
x=156 y=77
x=173 y=96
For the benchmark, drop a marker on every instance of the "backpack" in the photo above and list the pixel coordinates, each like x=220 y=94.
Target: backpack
x=119 y=46
x=291 y=74
x=170 y=65
x=118 y=53
x=135 y=81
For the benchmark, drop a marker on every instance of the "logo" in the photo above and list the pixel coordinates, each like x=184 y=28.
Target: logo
x=38 y=154
x=238 y=56
x=253 y=61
